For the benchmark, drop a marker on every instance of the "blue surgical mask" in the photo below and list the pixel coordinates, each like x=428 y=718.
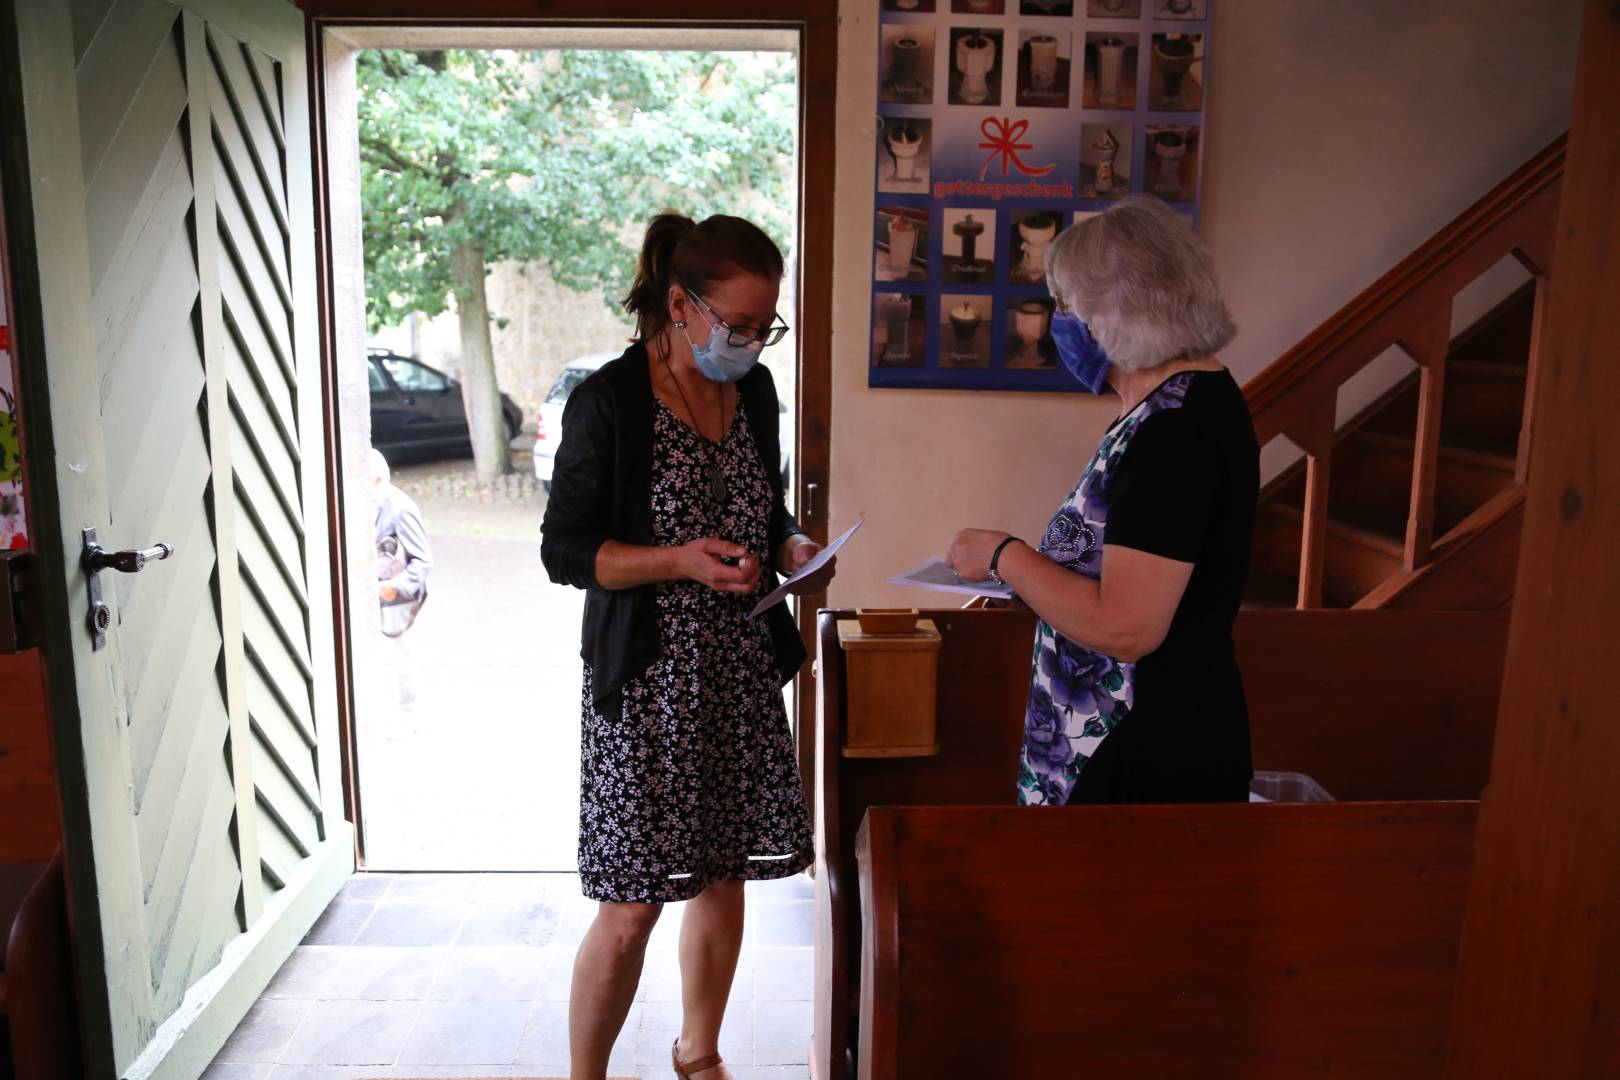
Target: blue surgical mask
x=1080 y=352
x=720 y=360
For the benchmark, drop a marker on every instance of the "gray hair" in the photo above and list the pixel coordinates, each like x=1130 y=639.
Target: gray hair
x=1143 y=282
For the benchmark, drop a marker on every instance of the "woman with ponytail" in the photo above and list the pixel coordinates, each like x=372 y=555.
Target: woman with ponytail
x=667 y=508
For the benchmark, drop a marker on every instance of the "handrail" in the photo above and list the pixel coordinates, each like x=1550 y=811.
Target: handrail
x=1410 y=306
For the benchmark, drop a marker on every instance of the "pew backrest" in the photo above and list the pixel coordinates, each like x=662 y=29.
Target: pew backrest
x=1160 y=941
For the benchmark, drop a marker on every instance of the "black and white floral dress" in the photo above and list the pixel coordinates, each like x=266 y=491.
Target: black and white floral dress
x=694 y=780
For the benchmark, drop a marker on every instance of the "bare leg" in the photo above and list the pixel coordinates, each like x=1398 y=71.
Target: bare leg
x=711 y=938
x=606 y=971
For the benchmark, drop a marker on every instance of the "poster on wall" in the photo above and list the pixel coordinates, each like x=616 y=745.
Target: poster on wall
x=13 y=517
x=1001 y=123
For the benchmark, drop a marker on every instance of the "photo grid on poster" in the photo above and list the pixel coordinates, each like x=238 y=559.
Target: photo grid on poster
x=1001 y=123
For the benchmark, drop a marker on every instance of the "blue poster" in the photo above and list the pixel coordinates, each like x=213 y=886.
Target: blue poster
x=1002 y=122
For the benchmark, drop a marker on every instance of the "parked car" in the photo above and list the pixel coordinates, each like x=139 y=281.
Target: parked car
x=548 y=426
x=417 y=410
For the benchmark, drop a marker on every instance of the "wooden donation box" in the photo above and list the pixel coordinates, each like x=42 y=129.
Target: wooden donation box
x=891 y=664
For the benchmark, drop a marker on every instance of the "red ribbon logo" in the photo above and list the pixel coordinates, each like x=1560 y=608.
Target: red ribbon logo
x=1004 y=144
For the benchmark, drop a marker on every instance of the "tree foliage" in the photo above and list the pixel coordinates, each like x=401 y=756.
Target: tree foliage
x=556 y=157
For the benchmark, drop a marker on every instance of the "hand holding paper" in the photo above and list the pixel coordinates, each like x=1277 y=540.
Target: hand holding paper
x=819 y=560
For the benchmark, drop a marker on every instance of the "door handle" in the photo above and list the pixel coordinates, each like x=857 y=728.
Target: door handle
x=96 y=559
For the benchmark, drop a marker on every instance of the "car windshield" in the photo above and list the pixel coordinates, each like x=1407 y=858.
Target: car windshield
x=570 y=378
x=411 y=377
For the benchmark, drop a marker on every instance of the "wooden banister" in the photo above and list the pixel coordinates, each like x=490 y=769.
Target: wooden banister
x=1408 y=307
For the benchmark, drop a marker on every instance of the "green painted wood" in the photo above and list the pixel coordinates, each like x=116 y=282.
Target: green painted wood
x=179 y=399
x=227 y=578
x=52 y=295
x=212 y=1008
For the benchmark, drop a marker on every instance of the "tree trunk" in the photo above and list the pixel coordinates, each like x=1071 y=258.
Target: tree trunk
x=479 y=392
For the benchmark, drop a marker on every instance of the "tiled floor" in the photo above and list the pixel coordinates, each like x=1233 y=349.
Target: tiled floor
x=467 y=975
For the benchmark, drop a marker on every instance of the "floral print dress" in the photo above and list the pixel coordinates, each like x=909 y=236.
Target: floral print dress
x=694 y=780
x=1077 y=696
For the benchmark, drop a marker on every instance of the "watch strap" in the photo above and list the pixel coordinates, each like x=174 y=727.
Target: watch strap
x=995 y=559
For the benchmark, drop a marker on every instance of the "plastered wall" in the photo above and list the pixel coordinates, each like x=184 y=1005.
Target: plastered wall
x=1341 y=137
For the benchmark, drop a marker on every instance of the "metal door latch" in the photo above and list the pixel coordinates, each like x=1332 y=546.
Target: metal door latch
x=97 y=559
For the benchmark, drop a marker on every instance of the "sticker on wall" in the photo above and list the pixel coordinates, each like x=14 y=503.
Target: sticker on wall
x=1001 y=123
x=13 y=512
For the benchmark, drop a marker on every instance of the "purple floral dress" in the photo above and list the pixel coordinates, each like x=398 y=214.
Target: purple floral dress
x=1076 y=696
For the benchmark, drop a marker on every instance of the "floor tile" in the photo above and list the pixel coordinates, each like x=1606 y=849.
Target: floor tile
x=546 y=1037
x=364 y=886
x=351 y=1033
x=784 y=923
x=264 y=1032
x=782 y=1032
x=661 y=977
x=356 y=973
x=412 y=924
x=237 y=1072
x=437 y=888
x=784 y=974
x=529 y=886
x=326 y=1072
x=780 y=1072
x=661 y=1025
x=467 y=1070
x=489 y=974
x=304 y=972
x=509 y=923
x=797 y=887
x=556 y=967
x=340 y=922
x=466 y=1033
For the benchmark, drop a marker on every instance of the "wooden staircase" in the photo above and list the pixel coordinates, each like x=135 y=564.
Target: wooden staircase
x=1417 y=501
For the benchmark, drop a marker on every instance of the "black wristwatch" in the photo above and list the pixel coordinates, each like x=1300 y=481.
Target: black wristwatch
x=995 y=558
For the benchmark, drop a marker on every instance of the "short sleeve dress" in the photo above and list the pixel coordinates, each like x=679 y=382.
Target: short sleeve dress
x=692 y=779
x=1178 y=477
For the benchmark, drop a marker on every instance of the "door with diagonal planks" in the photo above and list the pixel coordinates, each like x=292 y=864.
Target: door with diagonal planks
x=169 y=251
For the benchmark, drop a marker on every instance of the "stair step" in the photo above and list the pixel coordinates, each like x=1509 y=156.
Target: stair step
x=1485 y=369
x=1464 y=449
x=1271 y=589
x=1362 y=549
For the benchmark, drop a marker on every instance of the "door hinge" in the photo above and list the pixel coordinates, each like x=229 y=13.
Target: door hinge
x=19 y=602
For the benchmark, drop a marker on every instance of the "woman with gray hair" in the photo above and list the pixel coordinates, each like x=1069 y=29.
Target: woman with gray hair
x=1135 y=694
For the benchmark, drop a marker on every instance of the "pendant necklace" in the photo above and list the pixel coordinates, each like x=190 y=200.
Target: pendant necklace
x=714 y=471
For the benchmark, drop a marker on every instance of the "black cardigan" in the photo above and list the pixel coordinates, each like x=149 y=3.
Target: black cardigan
x=601 y=489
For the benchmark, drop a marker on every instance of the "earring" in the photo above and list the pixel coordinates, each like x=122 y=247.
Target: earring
x=679 y=325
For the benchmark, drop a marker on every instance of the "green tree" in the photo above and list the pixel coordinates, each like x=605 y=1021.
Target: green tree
x=472 y=157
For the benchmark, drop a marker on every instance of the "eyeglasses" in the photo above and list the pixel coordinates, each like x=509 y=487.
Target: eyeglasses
x=744 y=335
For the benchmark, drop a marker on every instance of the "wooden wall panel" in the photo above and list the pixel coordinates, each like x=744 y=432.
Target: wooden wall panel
x=1539 y=983
x=28 y=803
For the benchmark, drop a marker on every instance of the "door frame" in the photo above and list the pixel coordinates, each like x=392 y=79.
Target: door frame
x=816 y=23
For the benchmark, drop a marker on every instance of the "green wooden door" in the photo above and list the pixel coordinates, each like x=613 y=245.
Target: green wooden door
x=175 y=396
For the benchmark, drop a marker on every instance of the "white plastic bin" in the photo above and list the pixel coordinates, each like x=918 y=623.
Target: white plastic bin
x=1286 y=787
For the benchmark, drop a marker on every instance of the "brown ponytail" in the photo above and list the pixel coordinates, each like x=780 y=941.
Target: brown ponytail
x=697 y=255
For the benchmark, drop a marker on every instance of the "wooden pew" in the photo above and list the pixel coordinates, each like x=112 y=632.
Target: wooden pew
x=38 y=1002
x=1161 y=941
x=1375 y=705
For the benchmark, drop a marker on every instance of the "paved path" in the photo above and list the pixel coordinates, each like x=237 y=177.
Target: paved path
x=489 y=778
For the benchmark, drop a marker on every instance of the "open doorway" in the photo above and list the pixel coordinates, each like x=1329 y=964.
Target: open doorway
x=480 y=770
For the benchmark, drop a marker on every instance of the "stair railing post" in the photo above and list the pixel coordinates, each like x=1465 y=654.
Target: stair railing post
x=1427 y=345
x=1538 y=324
x=1315 y=437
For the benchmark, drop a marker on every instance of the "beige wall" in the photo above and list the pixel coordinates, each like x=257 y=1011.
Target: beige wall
x=1341 y=136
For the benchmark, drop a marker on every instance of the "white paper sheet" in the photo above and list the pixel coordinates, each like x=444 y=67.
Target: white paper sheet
x=936 y=575
x=821 y=559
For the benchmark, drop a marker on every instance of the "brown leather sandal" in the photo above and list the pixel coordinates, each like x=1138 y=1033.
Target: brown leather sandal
x=685 y=1069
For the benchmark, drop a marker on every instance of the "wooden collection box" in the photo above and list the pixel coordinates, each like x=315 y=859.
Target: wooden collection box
x=890 y=682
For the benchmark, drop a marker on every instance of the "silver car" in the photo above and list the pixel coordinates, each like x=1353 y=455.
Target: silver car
x=548 y=425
